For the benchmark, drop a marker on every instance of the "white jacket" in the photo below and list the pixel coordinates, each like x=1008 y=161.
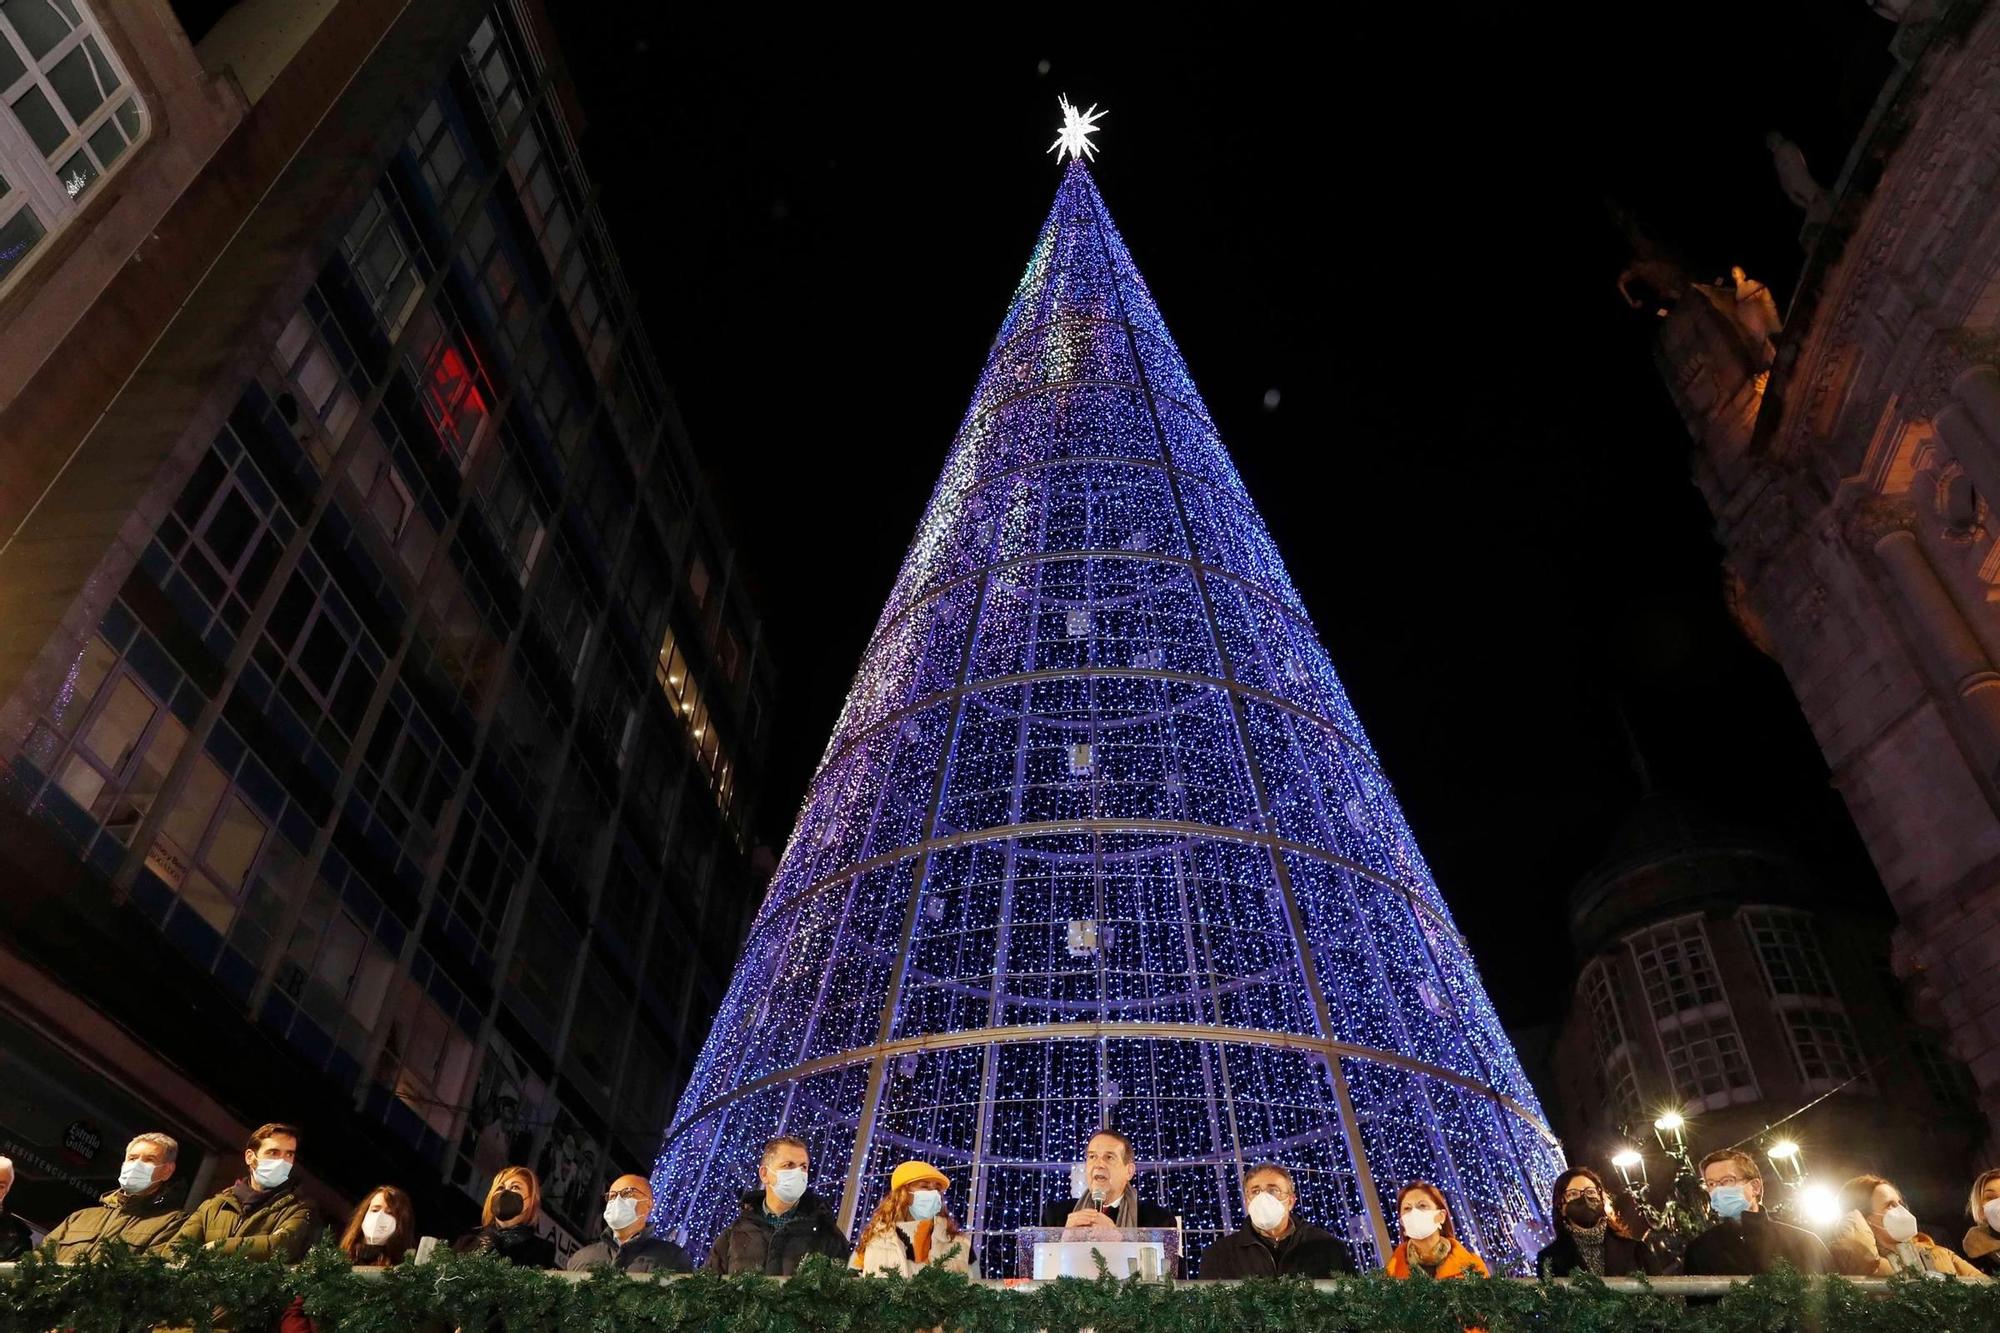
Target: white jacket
x=887 y=1251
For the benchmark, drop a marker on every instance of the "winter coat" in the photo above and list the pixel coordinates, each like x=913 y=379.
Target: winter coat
x=753 y=1243
x=257 y=1224
x=1151 y=1215
x=519 y=1245
x=1858 y=1252
x=15 y=1238
x=1457 y=1263
x=142 y=1221
x=644 y=1253
x=1982 y=1247
x=1753 y=1243
x=896 y=1251
x=1304 y=1251
x=1623 y=1256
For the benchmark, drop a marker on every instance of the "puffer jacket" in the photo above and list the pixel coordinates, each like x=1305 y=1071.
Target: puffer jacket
x=142 y=1221
x=1982 y=1247
x=753 y=1243
x=896 y=1251
x=257 y=1224
x=1858 y=1252
x=1458 y=1261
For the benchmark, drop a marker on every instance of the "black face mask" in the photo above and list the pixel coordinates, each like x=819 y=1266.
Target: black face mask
x=507 y=1205
x=1582 y=1213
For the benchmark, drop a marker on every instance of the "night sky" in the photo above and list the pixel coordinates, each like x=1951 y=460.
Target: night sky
x=1398 y=225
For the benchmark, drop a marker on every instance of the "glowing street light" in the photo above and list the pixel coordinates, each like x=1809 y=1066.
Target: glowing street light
x=1671 y=1130
x=1630 y=1164
x=1819 y=1206
x=1787 y=1161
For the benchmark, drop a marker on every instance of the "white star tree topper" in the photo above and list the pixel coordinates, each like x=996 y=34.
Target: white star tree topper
x=1077 y=127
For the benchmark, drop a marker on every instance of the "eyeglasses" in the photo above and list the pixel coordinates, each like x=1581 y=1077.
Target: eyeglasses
x=1724 y=1182
x=629 y=1192
x=1586 y=1193
x=1279 y=1189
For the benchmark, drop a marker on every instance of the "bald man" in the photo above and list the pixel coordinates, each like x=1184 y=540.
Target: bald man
x=629 y=1243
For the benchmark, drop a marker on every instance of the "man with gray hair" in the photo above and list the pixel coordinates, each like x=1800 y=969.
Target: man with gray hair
x=1275 y=1243
x=134 y=1214
x=14 y=1234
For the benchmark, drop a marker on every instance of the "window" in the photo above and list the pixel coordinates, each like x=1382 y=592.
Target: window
x=1706 y=1062
x=427 y=1058
x=450 y=388
x=382 y=264
x=70 y=116
x=1676 y=967
x=498 y=87
x=1949 y=1082
x=1789 y=950
x=1823 y=1041
x=1614 y=1052
x=317 y=360
x=441 y=160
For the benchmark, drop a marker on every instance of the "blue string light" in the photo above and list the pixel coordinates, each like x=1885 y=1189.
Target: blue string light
x=1094 y=761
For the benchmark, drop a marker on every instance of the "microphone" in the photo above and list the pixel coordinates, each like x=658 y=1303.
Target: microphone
x=1096 y=1197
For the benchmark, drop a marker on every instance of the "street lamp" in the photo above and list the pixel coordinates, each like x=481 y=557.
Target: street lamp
x=1787 y=1161
x=1630 y=1164
x=1671 y=1130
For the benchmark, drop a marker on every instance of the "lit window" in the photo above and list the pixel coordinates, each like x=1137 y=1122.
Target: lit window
x=70 y=116
x=453 y=401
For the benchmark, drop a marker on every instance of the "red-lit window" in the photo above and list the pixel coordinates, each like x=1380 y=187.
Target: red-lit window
x=452 y=400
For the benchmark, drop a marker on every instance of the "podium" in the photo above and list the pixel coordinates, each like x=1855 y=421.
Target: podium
x=1149 y=1253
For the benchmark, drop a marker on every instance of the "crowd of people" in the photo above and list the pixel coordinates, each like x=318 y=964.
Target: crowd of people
x=782 y=1220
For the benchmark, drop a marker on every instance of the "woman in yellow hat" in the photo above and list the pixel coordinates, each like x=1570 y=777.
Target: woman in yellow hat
x=911 y=1230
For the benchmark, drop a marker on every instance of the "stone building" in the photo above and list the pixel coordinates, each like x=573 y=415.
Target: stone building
x=382 y=725
x=1851 y=458
x=1721 y=981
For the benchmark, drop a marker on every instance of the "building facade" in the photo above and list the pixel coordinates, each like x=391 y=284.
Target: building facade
x=1851 y=455
x=1719 y=980
x=377 y=690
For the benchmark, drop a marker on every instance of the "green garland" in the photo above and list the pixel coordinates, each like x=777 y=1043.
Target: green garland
x=120 y=1291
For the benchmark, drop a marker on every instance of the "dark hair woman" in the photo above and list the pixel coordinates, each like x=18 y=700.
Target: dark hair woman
x=1587 y=1239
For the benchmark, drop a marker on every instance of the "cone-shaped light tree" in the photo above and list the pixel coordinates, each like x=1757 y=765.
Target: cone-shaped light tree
x=1098 y=840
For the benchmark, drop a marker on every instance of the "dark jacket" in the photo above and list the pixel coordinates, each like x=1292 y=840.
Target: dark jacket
x=753 y=1243
x=644 y=1253
x=14 y=1237
x=1150 y=1214
x=144 y=1222
x=518 y=1245
x=257 y=1224
x=1623 y=1256
x=1305 y=1251
x=1754 y=1243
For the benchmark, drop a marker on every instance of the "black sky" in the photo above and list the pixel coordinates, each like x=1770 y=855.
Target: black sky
x=1473 y=471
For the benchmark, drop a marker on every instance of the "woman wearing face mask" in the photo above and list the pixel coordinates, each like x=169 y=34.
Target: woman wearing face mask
x=1982 y=1242
x=378 y=1235
x=910 y=1229
x=1430 y=1243
x=1879 y=1236
x=507 y=1222
x=1587 y=1239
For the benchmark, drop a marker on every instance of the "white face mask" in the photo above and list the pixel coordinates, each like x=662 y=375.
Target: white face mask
x=1900 y=1223
x=1420 y=1223
x=378 y=1227
x=272 y=1172
x=621 y=1213
x=1267 y=1211
x=789 y=1185
x=1990 y=1210
x=924 y=1204
x=136 y=1177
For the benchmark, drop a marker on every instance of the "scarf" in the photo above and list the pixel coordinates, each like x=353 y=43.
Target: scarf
x=1590 y=1246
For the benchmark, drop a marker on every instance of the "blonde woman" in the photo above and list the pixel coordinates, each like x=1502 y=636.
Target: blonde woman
x=910 y=1229
x=507 y=1222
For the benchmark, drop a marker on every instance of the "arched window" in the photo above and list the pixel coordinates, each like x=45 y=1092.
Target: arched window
x=68 y=116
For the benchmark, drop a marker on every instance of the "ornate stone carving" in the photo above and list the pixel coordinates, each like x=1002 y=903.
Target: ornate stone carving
x=1873 y=517
x=1797 y=179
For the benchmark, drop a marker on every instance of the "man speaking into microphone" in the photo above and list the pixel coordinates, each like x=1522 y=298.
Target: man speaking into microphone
x=1108 y=1203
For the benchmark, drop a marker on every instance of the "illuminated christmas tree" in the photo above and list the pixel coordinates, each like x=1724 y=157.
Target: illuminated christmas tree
x=1099 y=840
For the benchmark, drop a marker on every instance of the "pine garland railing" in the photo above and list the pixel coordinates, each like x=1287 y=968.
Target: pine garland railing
x=120 y=1291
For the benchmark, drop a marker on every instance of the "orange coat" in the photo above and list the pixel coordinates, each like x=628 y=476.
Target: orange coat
x=1457 y=1263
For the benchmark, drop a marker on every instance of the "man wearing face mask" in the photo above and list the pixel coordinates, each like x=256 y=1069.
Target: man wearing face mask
x=783 y=1221
x=261 y=1216
x=1277 y=1243
x=629 y=1244
x=1879 y=1236
x=135 y=1214
x=1746 y=1240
